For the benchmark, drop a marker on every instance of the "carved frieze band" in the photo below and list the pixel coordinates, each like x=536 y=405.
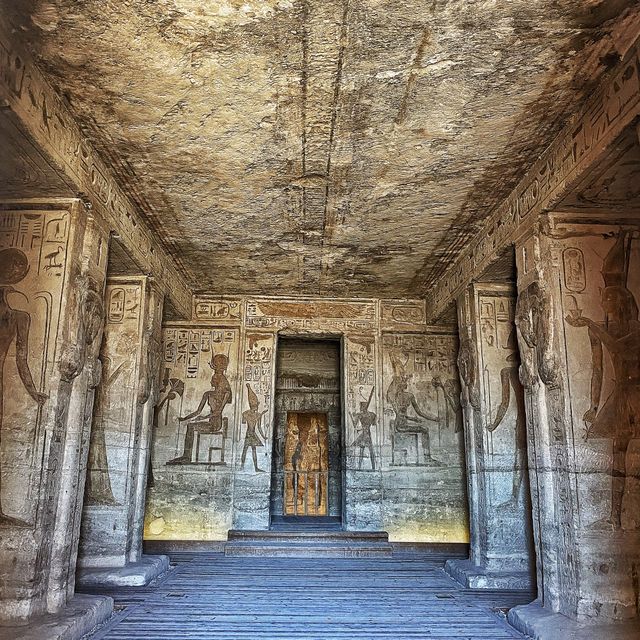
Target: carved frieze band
x=609 y=111
x=24 y=89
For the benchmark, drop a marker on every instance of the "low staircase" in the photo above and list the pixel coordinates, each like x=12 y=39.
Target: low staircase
x=299 y=542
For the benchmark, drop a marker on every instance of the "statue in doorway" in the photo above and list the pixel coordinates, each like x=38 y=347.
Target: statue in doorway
x=510 y=380
x=401 y=400
x=252 y=417
x=218 y=397
x=366 y=419
x=14 y=325
x=618 y=417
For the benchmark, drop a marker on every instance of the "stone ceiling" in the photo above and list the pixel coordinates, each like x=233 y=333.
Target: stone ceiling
x=327 y=147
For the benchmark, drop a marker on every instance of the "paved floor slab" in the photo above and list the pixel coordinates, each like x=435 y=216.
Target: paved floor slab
x=209 y=595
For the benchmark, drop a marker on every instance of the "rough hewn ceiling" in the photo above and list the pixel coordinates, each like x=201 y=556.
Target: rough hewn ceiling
x=320 y=146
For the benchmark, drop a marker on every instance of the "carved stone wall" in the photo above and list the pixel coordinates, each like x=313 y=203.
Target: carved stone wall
x=52 y=270
x=579 y=332
x=203 y=499
x=422 y=438
x=118 y=454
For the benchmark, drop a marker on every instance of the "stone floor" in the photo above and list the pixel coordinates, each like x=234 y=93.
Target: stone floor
x=208 y=595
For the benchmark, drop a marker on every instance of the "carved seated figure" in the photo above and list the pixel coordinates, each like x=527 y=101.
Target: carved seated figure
x=218 y=397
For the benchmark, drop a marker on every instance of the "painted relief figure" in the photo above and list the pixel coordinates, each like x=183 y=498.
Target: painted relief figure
x=618 y=417
x=401 y=401
x=252 y=417
x=98 y=489
x=218 y=397
x=362 y=423
x=510 y=381
x=14 y=325
x=451 y=390
x=170 y=390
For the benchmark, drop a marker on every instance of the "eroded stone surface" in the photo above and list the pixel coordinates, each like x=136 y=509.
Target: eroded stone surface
x=333 y=147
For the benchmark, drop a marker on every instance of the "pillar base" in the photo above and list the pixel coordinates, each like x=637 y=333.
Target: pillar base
x=81 y=616
x=472 y=576
x=134 y=574
x=538 y=623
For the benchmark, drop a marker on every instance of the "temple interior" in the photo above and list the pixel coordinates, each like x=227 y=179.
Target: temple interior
x=319 y=319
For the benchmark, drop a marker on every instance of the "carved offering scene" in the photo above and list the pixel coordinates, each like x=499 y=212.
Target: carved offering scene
x=423 y=444
x=193 y=433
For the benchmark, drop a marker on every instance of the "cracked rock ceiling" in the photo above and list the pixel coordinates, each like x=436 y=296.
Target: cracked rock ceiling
x=331 y=147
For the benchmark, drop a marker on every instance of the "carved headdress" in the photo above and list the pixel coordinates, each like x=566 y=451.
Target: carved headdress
x=254 y=403
x=615 y=266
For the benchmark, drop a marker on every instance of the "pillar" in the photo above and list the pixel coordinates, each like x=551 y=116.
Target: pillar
x=113 y=515
x=501 y=554
x=52 y=270
x=579 y=336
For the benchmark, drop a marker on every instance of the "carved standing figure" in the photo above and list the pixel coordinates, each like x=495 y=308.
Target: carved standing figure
x=618 y=417
x=14 y=325
x=218 y=397
x=510 y=380
x=252 y=417
x=366 y=419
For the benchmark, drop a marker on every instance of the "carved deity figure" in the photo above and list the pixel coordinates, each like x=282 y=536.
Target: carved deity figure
x=14 y=325
x=618 y=417
x=218 y=397
x=467 y=364
x=510 y=381
x=401 y=401
x=362 y=423
x=98 y=489
x=252 y=417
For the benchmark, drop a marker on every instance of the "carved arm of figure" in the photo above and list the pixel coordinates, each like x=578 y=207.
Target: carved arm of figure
x=505 y=380
x=596 y=381
x=419 y=411
x=198 y=411
x=263 y=433
x=22 y=349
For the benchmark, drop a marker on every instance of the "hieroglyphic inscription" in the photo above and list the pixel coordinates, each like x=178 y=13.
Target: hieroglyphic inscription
x=401 y=315
x=218 y=309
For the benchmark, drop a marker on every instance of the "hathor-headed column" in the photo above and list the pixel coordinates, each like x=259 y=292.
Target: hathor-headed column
x=52 y=271
x=113 y=515
x=579 y=334
x=501 y=554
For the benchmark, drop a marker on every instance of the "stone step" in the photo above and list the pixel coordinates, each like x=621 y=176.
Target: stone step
x=305 y=536
x=310 y=549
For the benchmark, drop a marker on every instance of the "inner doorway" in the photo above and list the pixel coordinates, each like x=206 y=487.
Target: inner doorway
x=306 y=475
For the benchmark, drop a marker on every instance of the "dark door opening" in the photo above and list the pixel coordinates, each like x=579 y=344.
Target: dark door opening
x=306 y=474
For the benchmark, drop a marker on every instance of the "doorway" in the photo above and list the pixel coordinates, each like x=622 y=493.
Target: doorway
x=306 y=474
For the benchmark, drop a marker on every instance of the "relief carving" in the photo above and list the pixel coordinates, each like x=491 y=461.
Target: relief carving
x=535 y=323
x=617 y=417
x=14 y=327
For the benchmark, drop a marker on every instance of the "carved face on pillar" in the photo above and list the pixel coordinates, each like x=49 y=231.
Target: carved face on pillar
x=534 y=320
x=467 y=366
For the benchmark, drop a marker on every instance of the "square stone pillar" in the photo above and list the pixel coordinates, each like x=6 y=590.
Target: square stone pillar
x=52 y=272
x=113 y=514
x=501 y=546
x=579 y=335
